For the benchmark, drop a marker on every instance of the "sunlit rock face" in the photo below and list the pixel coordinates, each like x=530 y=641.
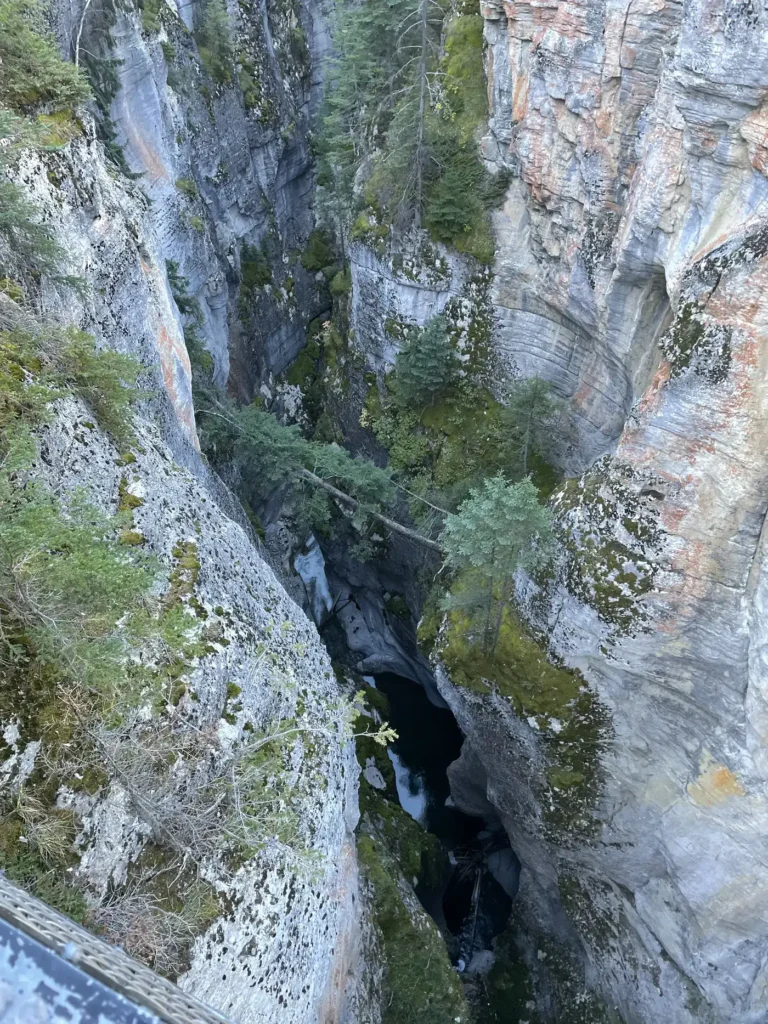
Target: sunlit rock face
x=631 y=272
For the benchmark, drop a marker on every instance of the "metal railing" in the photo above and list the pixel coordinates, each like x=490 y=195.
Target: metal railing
x=108 y=964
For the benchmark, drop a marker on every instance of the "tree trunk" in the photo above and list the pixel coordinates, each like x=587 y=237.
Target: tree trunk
x=503 y=598
x=419 y=191
x=385 y=520
x=488 y=615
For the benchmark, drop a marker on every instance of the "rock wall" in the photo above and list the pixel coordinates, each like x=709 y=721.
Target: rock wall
x=631 y=272
x=224 y=163
x=288 y=946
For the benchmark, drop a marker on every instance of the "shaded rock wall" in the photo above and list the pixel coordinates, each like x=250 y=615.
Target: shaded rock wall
x=241 y=153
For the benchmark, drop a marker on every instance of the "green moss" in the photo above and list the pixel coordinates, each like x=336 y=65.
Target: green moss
x=126 y=501
x=698 y=343
x=611 y=538
x=509 y=987
x=420 y=986
x=132 y=538
x=342 y=283
x=556 y=701
x=418 y=853
x=233 y=691
x=187 y=187
x=11 y=289
x=184 y=575
x=366 y=229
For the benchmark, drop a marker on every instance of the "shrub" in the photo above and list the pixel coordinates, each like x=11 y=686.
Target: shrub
x=215 y=42
x=31 y=243
x=31 y=69
x=318 y=253
x=187 y=187
x=255 y=269
x=151 y=15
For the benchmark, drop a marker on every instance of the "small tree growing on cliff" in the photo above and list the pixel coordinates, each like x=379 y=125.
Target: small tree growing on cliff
x=215 y=43
x=529 y=413
x=427 y=365
x=500 y=528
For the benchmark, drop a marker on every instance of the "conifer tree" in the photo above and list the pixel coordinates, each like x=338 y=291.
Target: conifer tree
x=427 y=365
x=498 y=530
x=530 y=410
x=215 y=42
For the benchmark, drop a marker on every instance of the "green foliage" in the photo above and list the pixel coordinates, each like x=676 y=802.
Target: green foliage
x=215 y=42
x=319 y=251
x=64 y=583
x=151 y=15
x=44 y=877
x=530 y=410
x=187 y=187
x=60 y=361
x=427 y=365
x=104 y=379
x=255 y=268
x=498 y=530
x=411 y=115
x=273 y=454
x=31 y=69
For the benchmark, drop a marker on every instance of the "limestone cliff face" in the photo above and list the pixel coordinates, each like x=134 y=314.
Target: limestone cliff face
x=225 y=164
x=631 y=272
x=287 y=943
x=631 y=264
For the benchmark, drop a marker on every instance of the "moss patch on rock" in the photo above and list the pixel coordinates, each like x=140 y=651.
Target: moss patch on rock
x=419 y=985
x=555 y=701
x=608 y=523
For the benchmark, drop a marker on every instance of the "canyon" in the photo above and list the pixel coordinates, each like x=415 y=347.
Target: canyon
x=629 y=770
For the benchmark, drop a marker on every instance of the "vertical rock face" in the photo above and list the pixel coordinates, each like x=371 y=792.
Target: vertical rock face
x=225 y=163
x=287 y=943
x=631 y=271
x=637 y=132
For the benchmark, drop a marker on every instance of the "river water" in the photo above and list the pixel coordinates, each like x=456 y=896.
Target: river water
x=469 y=905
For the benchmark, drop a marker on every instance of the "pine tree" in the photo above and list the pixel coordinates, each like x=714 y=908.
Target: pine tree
x=215 y=43
x=31 y=68
x=530 y=410
x=380 y=89
x=427 y=365
x=498 y=530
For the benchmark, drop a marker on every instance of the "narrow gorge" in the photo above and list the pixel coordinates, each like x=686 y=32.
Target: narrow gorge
x=383 y=583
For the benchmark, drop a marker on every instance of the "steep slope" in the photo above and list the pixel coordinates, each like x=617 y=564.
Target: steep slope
x=630 y=272
x=283 y=937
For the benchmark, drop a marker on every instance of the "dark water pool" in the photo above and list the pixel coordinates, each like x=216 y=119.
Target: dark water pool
x=429 y=739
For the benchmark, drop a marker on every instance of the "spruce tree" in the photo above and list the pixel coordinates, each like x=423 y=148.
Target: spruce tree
x=498 y=530
x=427 y=365
x=529 y=413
